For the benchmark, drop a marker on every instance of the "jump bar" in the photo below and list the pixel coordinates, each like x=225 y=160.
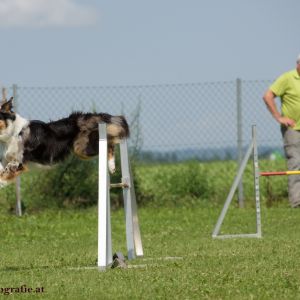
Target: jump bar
x=119 y=185
x=279 y=173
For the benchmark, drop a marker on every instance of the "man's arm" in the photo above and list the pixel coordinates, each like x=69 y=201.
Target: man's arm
x=269 y=98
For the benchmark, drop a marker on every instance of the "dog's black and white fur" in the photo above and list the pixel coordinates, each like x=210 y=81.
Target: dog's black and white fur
x=23 y=142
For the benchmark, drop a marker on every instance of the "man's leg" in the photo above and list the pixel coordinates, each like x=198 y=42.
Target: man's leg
x=291 y=140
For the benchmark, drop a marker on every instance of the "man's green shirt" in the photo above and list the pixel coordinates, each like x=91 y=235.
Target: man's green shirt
x=287 y=87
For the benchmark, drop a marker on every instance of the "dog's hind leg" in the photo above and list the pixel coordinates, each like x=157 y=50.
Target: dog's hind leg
x=111 y=158
x=86 y=146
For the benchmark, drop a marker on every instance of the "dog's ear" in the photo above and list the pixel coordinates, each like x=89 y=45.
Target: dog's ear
x=7 y=106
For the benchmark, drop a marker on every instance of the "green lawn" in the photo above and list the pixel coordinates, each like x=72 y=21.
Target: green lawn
x=52 y=249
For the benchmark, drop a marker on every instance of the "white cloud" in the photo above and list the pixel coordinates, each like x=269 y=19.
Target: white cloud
x=45 y=13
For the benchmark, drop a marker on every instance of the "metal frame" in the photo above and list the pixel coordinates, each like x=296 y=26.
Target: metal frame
x=133 y=236
x=252 y=149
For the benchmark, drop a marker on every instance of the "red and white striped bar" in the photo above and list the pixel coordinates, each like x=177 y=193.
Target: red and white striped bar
x=281 y=173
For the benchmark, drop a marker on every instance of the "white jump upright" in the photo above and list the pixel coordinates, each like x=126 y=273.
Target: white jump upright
x=133 y=236
x=252 y=149
x=104 y=226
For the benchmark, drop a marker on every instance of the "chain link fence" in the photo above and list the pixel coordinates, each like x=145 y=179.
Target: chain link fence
x=168 y=122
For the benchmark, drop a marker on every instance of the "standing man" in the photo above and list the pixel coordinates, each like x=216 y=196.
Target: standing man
x=287 y=87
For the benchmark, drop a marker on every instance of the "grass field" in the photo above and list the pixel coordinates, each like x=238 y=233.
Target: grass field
x=51 y=249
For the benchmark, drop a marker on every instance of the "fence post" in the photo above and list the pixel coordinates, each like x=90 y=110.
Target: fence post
x=18 y=180
x=239 y=138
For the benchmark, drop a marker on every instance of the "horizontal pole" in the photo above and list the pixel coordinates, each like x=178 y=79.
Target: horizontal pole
x=119 y=185
x=282 y=173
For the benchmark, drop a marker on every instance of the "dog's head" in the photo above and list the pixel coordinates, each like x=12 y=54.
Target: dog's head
x=7 y=115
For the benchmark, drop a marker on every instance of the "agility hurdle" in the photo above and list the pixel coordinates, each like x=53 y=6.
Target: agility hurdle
x=252 y=149
x=133 y=236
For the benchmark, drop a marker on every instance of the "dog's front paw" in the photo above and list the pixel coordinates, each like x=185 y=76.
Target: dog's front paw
x=11 y=171
x=13 y=167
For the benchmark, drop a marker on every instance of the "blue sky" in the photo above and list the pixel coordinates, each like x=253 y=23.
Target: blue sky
x=137 y=42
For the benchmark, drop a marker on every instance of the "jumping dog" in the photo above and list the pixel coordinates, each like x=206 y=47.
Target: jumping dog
x=24 y=142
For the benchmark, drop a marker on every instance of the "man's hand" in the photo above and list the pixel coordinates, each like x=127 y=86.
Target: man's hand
x=286 y=121
x=269 y=98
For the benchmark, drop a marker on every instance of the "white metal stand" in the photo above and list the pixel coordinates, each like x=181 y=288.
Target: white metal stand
x=133 y=236
x=252 y=149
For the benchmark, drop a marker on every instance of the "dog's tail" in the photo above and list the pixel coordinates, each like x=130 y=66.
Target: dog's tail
x=117 y=127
